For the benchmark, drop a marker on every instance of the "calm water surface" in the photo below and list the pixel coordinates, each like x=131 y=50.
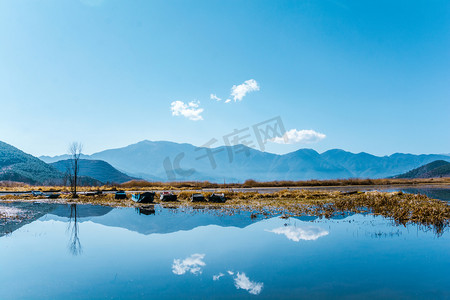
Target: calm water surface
x=166 y=253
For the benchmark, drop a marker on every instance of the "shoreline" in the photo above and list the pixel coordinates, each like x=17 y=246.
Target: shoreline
x=402 y=208
x=105 y=189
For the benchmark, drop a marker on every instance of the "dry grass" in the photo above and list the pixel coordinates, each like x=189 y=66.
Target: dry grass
x=43 y=188
x=141 y=185
x=103 y=199
x=12 y=184
x=402 y=208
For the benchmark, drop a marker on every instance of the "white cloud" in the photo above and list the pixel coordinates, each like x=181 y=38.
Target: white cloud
x=190 y=110
x=296 y=234
x=239 y=91
x=230 y=272
x=193 y=264
x=241 y=281
x=214 y=97
x=228 y=101
x=299 y=136
x=217 y=277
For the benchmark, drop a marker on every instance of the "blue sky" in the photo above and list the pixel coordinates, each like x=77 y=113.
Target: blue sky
x=370 y=76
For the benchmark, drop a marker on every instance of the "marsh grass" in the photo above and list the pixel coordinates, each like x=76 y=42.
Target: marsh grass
x=142 y=185
x=401 y=208
x=12 y=184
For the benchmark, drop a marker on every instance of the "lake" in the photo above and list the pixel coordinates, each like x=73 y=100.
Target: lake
x=97 y=252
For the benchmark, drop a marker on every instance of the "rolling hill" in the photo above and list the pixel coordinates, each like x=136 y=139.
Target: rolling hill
x=16 y=165
x=438 y=168
x=97 y=169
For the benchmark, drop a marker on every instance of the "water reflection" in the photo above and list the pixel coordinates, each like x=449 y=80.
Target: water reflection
x=73 y=229
x=389 y=234
x=306 y=233
x=435 y=193
x=17 y=214
x=217 y=277
x=192 y=264
x=241 y=281
x=146 y=210
x=198 y=254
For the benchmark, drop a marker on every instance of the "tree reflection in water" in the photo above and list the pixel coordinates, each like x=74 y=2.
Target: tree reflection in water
x=74 y=243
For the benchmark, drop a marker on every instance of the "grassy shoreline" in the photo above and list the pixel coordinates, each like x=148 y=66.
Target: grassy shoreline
x=401 y=208
x=141 y=185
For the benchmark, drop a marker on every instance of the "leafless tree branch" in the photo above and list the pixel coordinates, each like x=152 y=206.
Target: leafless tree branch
x=74 y=167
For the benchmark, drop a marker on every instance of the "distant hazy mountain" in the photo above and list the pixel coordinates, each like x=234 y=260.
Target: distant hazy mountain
x=365 y=165
x=52 y=159
x=438 y=168
x=96 y=169
x=16 y=165
x=158 y=161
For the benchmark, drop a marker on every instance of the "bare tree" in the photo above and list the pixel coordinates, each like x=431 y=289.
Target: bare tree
x=74 y=167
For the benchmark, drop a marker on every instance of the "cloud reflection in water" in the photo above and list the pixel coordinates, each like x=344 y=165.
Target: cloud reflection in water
x=241 y=281
x=193 y=264
x=217 y=277
x=308 y=233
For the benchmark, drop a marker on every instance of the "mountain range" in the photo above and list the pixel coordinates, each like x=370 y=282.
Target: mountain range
x=169 y=161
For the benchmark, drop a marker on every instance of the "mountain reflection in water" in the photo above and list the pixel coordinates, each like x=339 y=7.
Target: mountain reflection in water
x=162 y=253
x=294 y=233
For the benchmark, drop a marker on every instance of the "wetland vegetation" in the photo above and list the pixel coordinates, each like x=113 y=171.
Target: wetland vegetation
x=401 y=207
